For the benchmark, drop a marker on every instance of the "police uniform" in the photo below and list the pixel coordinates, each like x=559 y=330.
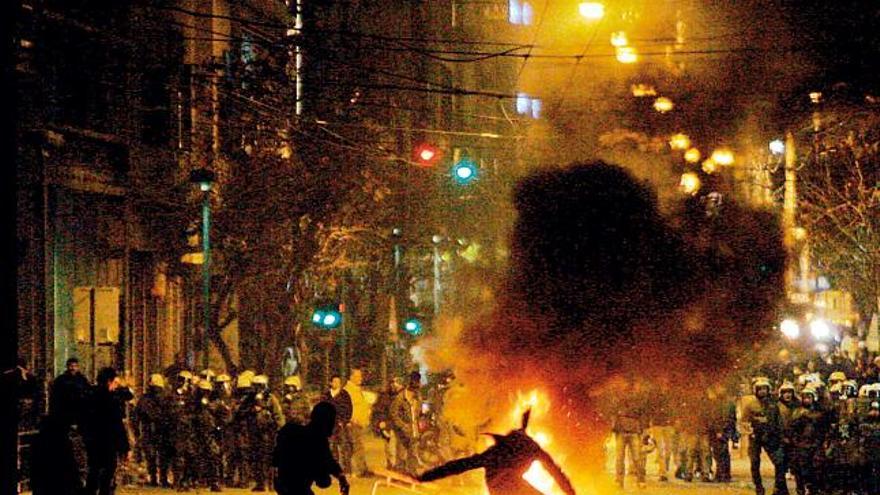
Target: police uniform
x=766 y=434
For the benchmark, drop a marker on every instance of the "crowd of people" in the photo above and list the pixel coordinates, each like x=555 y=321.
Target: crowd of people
x=207 y=430
x=818 y=421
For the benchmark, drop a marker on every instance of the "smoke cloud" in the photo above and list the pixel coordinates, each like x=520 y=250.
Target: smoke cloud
x=604 y=291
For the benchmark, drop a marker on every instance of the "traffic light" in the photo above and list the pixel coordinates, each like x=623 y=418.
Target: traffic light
x=464 y=171
x=327 y=316
x=426 y=154
x=413 y=326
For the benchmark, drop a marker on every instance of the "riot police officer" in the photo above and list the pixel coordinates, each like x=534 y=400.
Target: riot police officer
x=807 y=431
x=183 y=436
x=154 y=428
x=761 y=413
x=263 y=417
x=294 y=402
x=207 y=433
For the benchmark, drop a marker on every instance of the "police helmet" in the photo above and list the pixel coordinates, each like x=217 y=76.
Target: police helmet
x=260 y=380
x=837 y=376
x=207 y=374
x=157 y=380
x=243 y=381
x=811 y=392
x=205 y=385
x=786 y=387
x=223 y=378
x=293 y=381
x=186 y=375
x=759 y=382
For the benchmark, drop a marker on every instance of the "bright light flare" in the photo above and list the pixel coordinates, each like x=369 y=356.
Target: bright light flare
x=541 y=480
x=591 y=10
x=627 y=55
x=690 y=183
x=790 y=328
x=820 y=329
x=777 y=147
x=692 y=155
x=427 y=154
x=643 y=90
x=723 y=157
x=663 y=104
x=619 y=39
x=680 y=142
x=710 y=166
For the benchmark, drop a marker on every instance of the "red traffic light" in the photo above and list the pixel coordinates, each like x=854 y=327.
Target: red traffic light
x=426 y=155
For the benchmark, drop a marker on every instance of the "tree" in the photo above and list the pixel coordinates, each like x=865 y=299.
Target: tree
x=840 y=201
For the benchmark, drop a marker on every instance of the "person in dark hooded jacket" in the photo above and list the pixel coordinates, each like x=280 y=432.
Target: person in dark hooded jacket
x=303 y=457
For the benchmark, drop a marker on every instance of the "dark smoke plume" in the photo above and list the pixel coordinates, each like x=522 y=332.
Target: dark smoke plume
x=604 y=288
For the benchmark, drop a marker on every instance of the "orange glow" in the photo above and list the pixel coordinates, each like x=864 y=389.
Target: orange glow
x=619 y=39
x=663 y=104
x=680 y=142
x=723 y=157
x=541 y=480
x=692 y=155
x=709 y=166
x=627 y=55
x=426 y=155
x=592 y=10
x=690 y=183
x=642 y=90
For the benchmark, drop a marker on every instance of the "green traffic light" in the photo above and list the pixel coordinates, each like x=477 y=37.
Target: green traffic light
x=413 y=326
x=464 y=172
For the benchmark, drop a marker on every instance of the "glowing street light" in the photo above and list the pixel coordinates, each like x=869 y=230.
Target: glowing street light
x=642 y=90
x=790 y=328
x=692 y=155
x=663 y=104
x=464 y=172
x=591 y=10
x=680 y=142
x=619 y=39
x=777 y=146
x=627 y=55
x=723 y=157
x=820 y=330
x=709 y=166
x=690 y=183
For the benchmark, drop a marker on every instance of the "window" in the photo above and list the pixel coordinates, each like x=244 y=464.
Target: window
x=520 y=12
x=527 y=105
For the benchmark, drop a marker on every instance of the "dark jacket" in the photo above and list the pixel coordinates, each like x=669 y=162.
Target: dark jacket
x=68 y=396
x=303 y=457
x=342 y=404
x=105 y=433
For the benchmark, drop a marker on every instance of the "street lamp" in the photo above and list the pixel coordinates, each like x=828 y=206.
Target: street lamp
x=790 y=328
x=777 y=146
x=692 y=155
x=820 y=329
x=723 y=157
x=680 y=142
x=663 y=104
x=205 y=179
x=626 y=55
x=464 y=172
x=591 y=10
x=690 y=183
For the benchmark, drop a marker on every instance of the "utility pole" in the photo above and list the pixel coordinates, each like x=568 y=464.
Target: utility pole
x=789 y=210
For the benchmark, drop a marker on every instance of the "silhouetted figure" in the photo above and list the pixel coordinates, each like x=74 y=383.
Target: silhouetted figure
x=302 y=454
x=54 y=468
x=505 y=463
x=68 y=394
x=105 y=434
